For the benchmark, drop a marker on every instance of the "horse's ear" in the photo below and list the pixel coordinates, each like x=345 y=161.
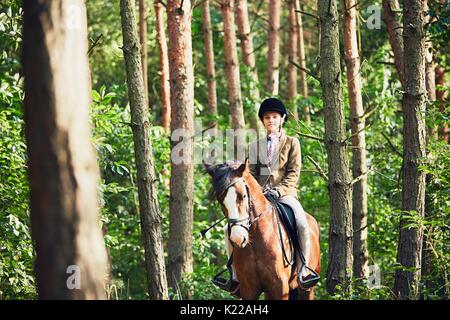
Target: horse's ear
x=243 y=168
x=209 y=168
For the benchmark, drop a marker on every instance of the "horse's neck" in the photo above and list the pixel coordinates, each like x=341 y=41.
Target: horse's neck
x=265 y=224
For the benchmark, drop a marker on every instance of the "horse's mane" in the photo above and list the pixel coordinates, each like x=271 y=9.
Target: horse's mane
x=222 y=177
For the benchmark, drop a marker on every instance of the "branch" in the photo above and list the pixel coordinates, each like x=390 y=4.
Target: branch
x=367 y=113
x=360 y=177
x=392 y=146
x=195 y=5
x=319 y=169
x=357 y=132
x=160 y=1
x=305 y=70
x=308 y=14
x=310 y=136
x=347 y=10
x=94 y=44
x=360 y=229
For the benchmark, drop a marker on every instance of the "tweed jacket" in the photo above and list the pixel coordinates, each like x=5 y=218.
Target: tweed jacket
x=284 y=171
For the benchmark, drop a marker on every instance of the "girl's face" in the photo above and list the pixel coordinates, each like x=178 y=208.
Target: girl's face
x=272 y=121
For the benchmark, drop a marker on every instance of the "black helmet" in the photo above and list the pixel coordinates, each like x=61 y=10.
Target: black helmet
x=272 y=104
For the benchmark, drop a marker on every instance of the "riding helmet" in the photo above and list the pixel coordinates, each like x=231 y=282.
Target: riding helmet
x=272 y=104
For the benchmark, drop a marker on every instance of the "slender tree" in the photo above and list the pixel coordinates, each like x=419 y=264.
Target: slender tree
x=232 y=65
x=441 y=96
x=341 y=231
x=293 y=56
x=210 y=64
x=182 y=175
x=151 y=219
x=248 y=53
x=414 y=132
x=395 y=31
x=164 y=63
x=359 y=163
x=273 y=56
x=143 y=41
x=71 y=260
x=302 y=59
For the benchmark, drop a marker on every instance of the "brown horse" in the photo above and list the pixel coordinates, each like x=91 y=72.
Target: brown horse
x=254 y=232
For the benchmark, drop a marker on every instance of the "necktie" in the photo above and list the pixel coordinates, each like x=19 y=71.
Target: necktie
x=270 y=150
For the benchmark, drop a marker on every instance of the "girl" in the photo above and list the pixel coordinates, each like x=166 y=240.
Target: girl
x=277 y=170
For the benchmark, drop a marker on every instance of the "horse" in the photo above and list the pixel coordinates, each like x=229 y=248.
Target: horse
x=257 y=237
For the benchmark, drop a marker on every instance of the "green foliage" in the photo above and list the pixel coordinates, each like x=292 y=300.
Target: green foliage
x=113 y=140
x=16 y=250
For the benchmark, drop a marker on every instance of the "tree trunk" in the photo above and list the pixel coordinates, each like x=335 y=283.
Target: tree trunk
x=210 y=64
x=143 y=41
x=273 y=57
x=71 y=260
x=164 y=61
x=341 y=232
x=293 y=57
x=232 y=65
x=302 y=56
x=248 y=54
x=430 y=84
x=441 y=96
x=359 y=164
x=395 y=31
x=414 y=132
x=430 y=74
x=182 y=178
x=151 y=219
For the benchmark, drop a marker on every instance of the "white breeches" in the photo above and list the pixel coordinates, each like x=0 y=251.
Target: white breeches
x=303 y=232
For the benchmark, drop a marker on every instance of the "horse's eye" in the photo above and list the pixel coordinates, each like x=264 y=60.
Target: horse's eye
x=244 y=196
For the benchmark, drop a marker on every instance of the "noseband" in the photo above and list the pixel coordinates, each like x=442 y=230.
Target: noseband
x=250 y=218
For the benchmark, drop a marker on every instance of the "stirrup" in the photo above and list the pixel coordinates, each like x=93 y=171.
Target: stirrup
x=229 y=285
x=309 y=281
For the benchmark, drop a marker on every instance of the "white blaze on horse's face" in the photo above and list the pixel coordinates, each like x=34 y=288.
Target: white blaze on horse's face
x=238 y=235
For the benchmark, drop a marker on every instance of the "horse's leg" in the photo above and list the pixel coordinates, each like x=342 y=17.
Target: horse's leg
x=277 y=291
x=249 y=293
x=306 y=295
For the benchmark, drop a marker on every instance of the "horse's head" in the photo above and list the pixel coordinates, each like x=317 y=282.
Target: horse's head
x=232 y=192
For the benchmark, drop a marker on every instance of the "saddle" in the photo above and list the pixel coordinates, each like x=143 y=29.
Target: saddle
x=287 y=217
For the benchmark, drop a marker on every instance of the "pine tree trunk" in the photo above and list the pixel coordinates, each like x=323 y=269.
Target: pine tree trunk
x=341 y=232
x=143 y=41
x=359 y=164
x=430 y=74
x=414 y=132
x=441 y=96
x=164 y=61
x=293 y=57
x=151 y=219
x=210 y=64
x=62 y=167
x=395 y=31
x=430 y=84
x=248 y=54
x=232 y=65
x=182 y=176
x=273 y=57
x=302 y=57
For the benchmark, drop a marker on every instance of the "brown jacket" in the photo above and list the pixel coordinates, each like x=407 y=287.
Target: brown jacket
x=286 y=164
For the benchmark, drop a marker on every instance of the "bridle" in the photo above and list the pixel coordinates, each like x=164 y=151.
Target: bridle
x=251 y=217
